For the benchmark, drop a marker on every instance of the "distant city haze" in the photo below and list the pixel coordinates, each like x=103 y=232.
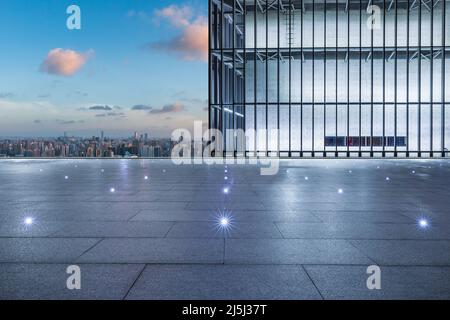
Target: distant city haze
x=138 y=145
x=134 y=66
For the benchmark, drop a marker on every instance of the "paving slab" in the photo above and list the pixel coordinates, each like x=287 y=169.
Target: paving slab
x=292 y=251
x=223 y=282
x=409 y=282
x=49 y=281
x=146 y=250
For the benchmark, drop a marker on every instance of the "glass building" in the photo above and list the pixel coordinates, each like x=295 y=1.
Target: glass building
x=336 y=78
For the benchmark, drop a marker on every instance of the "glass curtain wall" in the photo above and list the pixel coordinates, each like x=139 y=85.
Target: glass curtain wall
x=335 y=78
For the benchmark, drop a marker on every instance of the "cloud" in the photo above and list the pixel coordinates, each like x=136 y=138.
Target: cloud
x=110 y=114
x=101 y=108
x=170 y=108
x=113 y=115
x=64 y=62
x=192 y=42
x=178 y=16
x=37 y=121
x=68 y=122
x=141 y=107
x=6 y=95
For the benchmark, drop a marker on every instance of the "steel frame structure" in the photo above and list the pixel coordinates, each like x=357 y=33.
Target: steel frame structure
x=332 y=81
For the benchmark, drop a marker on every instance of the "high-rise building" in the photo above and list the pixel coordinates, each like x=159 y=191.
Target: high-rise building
x=351 y=78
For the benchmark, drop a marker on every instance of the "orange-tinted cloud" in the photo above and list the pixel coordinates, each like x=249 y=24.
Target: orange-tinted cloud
x=170 y=108
x=192 y=42
x=64 y=62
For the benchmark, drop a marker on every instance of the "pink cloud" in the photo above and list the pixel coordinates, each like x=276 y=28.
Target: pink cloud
x=176 y=15
x=192 y=42
x=170 y=108
x=64 y=62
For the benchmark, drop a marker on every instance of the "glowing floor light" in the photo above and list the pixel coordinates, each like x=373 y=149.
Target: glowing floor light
x=112 y=190
x=423 y=223
x=224 y=222
x=146 y=177
x=28 y=221
x=306 y=178
x=66 y=177
x=388 y=179
x=340 y=191
x=226 y=190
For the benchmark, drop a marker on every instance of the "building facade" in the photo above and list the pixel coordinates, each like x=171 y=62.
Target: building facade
x=346 y=78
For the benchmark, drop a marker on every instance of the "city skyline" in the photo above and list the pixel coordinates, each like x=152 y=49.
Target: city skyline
x=116 y=74
x=138 y=145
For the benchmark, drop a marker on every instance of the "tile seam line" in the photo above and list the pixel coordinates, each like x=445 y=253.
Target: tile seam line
x=278 y=229
x=301 y=267
x=170 y=229
x=87 y=250
x=131 y=217
x=232 y=264
x=218 y=238
x=134 y=282
x=360 y=251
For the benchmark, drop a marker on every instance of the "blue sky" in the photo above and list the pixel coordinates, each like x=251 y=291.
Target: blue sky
x=128 y=53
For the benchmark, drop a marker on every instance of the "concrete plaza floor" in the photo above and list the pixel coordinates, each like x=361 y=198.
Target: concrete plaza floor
x=309 y=232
